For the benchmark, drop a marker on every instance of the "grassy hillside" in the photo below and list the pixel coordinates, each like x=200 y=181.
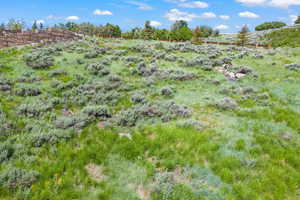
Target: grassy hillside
x=116 y=119
x=286 y=37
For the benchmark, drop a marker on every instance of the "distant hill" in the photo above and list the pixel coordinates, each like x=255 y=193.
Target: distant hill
x=287 y=37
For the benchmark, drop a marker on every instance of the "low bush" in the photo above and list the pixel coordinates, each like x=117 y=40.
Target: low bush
x=164 y=111
x=5 y=84
x=51 y=137
x=39 y=60
x=227 y=104
x=6 y=151
x=28 y=76
x=17 y=178
x=167 y=91
x=98 y=68
x=293 y=66
x=77 y=121
x=98 y=112
x=26 y=90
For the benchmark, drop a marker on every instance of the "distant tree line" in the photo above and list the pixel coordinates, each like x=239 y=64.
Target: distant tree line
x=179 y=31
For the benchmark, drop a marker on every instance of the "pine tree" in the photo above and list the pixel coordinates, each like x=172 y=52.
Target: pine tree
x=197 y=36
x=34 y=26
x=243 y=36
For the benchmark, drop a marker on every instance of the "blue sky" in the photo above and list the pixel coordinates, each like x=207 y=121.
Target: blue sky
x=226 y=15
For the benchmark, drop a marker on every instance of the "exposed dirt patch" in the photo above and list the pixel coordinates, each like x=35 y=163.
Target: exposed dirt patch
x=95 y=172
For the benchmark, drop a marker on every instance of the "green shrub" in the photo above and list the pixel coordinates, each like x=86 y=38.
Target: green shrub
x=39 y=60
x=6 y=151
x=52 y=137
x=16 y=177
x=287 y=37
x=26 y=90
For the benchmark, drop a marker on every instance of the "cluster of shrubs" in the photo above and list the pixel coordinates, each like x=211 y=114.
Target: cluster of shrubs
x=165 y=111
x=17 y=178
x=107 y=91
x=5 y=84
x=28 y=77
x=293 y=66
x=99 y=68
x=227 y=104
x=27 y=90
x=51 y=137
x=95 y=52
x=6 y=151
x=83 y=118
x=152 y=70
x=6 y=127
x=40 y=59
x=37 y=108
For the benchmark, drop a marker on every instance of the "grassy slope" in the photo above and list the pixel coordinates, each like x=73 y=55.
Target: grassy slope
x=242 y=153
x=287 y=37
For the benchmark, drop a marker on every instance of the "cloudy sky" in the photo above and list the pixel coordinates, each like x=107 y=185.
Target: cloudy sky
x=225 y=15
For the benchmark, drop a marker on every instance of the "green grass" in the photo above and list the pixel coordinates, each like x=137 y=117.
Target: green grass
x=288 y=37
x=247 y=153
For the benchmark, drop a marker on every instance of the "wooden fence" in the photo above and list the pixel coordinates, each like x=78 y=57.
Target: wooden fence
x=10 y=38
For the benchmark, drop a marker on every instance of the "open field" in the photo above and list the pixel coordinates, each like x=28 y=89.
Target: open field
x=125 y=120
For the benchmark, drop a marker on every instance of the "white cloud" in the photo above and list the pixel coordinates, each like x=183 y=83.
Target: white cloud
x=52 y=17
x=194 y=4
x=293 y=18
x=284 y=3
x=155 y=23
x=175 y=14
x=208 y=15
x=224 y=17
x=72 y=18
x=273 y=3
x=102 y=12
x=248 y=14
x=252 y=2
x=141 y=5
x=40 y=21
x=222 y=27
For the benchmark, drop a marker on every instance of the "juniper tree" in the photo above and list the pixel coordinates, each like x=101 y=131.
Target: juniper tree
x=243 y=36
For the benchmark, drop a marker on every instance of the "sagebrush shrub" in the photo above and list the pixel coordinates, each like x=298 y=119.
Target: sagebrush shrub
x=17 y=178
x=27 y=90
x=167 y=91
x=227 y=104
x=51 y=137
x=39 y=60
x=5 y=84
x=98 y=68
x=6 y=151
x=294 y=66
x=98 y=112
x=77 y=121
